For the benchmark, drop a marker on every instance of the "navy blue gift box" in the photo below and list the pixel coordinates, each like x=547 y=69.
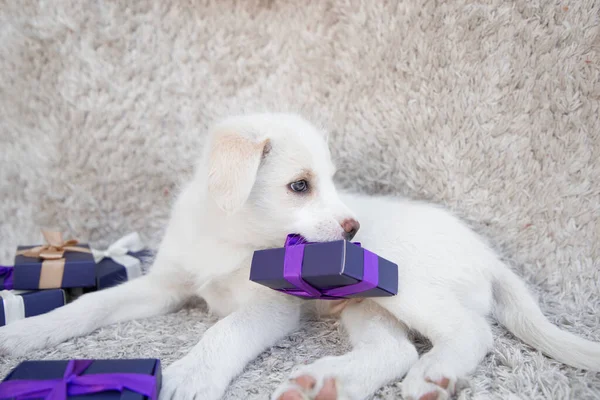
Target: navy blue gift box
x=133 y=379
x=74 y=269
x=36 y=303
x=325 y=267
x=110 y=273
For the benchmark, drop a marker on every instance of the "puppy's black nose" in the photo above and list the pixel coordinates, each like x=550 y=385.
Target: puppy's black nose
x=351 y=226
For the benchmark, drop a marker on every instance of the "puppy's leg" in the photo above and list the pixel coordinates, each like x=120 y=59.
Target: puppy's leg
x=381 y=353
x=224 y=350
x=461 y=338
x=148 y=295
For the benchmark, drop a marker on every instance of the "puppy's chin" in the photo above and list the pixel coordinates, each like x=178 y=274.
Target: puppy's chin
x=322 y=238
x=333 y=308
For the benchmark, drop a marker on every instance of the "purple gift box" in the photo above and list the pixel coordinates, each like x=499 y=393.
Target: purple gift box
x=135 y=379
x=110 y=273
x=57 y=264
x=74 y=269
x=17 y=305
x=329 y=270
x=122 y=261
x=6 y=277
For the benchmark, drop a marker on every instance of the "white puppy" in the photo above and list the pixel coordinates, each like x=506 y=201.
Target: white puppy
x=262 y=177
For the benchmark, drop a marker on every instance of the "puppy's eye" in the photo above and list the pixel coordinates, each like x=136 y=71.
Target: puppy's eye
x=299 y=186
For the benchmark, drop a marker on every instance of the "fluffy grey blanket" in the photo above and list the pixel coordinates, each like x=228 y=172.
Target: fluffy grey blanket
x=490 y=108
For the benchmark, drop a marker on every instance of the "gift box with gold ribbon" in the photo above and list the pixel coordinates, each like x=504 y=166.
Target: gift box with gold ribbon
x=56 y=264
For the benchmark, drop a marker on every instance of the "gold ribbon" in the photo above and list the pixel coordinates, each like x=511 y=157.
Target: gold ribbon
x=53 y=264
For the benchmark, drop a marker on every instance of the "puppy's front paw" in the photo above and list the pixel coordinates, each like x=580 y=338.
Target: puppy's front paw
x=21 y=337
x=186 y=380
x=305 y=387
x=330 y=378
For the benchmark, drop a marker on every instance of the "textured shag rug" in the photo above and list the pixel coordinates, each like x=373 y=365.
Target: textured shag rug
x=489 y=107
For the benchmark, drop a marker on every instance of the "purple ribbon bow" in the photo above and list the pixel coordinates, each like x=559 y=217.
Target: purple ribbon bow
x=292 y=272
x=73 y=384
x=6 y=273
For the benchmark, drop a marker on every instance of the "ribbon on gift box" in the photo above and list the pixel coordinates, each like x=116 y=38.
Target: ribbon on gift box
x=55 y=247
x=73 y=384
x=6 y=273
x=53 y=264
x=14 y=307
x=118 y=253
x=292 y=272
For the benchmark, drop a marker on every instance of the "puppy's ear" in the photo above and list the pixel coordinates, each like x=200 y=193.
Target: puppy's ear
x=233 y=164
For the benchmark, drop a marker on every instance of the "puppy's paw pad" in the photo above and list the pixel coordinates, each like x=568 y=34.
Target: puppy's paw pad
x=328 y=391
x=430 y=396
x=442 y=382
x=306 y=382
x=292 y=395
x=290 y=391
x=305 y=387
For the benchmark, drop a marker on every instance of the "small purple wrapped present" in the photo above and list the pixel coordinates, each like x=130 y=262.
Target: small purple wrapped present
x=329 y=271
x=57 y=264
x=121 y=261
x=84 y=379
x=16 y=305
x=110 y=272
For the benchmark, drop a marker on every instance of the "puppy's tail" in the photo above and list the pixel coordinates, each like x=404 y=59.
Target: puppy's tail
x=518 y=311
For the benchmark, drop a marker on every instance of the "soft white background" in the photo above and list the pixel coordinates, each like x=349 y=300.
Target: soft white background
x=490 y=108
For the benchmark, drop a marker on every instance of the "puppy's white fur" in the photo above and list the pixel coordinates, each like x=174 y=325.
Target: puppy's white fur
x=239 y=201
